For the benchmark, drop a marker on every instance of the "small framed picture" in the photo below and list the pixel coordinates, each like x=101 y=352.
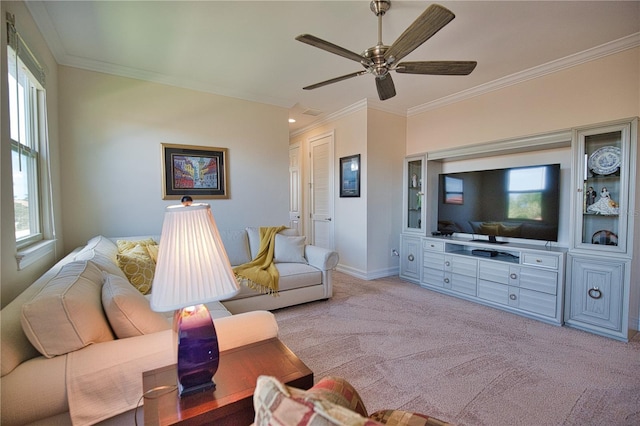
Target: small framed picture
x=453 y=190
x=198 y=171
x=350 y=176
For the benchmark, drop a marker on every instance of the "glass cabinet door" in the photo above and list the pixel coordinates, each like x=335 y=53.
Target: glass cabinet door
x=414 y=194
x=603 y=189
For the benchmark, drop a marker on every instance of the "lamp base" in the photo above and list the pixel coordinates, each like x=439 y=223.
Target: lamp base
x=198 y=352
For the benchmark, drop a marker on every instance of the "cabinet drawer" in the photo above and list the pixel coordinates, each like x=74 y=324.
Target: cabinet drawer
x=461 y=265
x=433 y=260
x=494 y=271
x=493 y=291
x=536 y=302
x=543 y=260
x=538 y=280
x=434 y=277
x=433 y=245
x=462 y=283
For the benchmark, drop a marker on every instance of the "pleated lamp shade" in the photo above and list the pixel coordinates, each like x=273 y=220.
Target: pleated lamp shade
x=193 y=266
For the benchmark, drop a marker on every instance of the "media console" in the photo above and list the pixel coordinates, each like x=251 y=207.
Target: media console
x=524 y=279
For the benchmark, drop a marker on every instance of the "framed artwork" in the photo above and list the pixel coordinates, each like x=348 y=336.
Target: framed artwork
x=350 y=176
x=453 y=190
x=198 y=171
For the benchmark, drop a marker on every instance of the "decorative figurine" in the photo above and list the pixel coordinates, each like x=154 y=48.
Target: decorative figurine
x=414 y=180
x=591 y=196
x=605 y=205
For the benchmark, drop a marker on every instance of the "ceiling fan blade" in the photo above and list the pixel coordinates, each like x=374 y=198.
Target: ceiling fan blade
x=437 y=67
x=330 y=47
x=432 y=20
x=385 y=86
x=334 y=80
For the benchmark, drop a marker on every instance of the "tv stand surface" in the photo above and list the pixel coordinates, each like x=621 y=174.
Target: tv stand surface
x=525 y=279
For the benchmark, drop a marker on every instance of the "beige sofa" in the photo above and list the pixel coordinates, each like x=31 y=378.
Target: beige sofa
x=305 y=270
x=76 y=342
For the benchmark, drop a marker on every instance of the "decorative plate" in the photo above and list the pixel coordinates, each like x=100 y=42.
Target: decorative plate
x=605 y=160
x=605 y=237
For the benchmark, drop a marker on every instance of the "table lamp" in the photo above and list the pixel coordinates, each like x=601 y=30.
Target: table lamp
x=192 y=269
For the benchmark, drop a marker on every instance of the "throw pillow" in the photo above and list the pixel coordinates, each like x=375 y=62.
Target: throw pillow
x=289 y=249
x=509 y=230
x=66 y=314
x=254 y=238
x=488 y=228
x=276 y=404
x=126 y=245
x=128 y=310
x=138 y=267
x=102 y=252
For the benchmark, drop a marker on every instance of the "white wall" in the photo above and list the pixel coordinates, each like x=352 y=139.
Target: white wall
x=111 y=129
x=385 y=152
x=12 y=281
x=597 y=91
x=349 y=219
x=366 y=227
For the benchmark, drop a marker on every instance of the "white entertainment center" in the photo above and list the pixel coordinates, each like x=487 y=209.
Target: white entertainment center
x=588 y=279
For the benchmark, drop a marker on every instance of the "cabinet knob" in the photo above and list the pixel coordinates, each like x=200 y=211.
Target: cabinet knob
x=594 y=293
x=513 y=276
x=411 y=258
x=446 y=280
x=447 y=263
x=513 y=297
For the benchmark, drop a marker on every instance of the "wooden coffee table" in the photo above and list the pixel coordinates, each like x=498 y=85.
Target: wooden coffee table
x=231 y=403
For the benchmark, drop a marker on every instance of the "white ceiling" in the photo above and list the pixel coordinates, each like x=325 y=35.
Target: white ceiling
x=246 y=49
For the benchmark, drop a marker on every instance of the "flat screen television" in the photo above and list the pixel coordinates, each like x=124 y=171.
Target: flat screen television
x=517 y=202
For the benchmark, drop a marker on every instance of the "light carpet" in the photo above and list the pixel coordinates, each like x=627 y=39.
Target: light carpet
x=406 y=347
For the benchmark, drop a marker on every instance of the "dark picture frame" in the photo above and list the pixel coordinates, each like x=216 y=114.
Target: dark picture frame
x=350 y=176
x=198 y=171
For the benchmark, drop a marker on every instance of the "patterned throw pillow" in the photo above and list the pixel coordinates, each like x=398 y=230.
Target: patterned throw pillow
x=276 y=404
x=137 y=265
x=330 y=402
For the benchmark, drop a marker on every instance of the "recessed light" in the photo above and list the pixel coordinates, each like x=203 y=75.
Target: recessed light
x=291 y=120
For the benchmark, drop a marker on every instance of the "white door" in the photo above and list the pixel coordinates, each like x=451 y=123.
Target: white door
x=295 y=188
x=321 y=191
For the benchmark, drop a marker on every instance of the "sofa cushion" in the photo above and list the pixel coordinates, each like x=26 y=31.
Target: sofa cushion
x=278 y=404
x=128 y=311
x=292 y=275
x=236 y=244
x=102 y=252
x=66 y=314
x=289 y=249
x=138 y=266
x=253 y=233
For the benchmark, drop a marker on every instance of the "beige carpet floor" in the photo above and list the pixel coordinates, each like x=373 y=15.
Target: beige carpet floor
x=409 y=348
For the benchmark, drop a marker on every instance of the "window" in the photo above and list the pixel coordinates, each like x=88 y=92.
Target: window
x=526 y=187
x=28 y=135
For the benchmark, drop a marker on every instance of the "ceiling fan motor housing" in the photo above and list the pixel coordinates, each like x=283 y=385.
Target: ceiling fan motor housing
x=376 y=56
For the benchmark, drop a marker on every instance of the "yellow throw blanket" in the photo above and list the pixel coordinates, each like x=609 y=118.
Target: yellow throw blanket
x=261 y=273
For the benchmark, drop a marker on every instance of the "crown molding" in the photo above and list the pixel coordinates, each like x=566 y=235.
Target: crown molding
x=625 y=43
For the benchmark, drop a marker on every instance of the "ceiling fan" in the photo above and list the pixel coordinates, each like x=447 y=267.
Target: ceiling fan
x=380 y=59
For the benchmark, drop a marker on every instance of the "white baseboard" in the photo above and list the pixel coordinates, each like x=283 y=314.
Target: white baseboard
x=368 y=275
